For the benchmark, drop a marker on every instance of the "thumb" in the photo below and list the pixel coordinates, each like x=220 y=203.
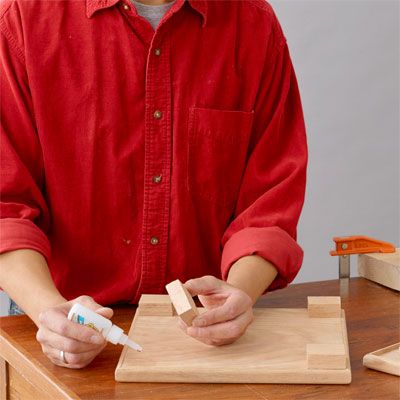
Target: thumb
x=205 y=285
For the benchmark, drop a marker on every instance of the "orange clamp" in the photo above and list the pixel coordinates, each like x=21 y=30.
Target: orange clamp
x=359 y=245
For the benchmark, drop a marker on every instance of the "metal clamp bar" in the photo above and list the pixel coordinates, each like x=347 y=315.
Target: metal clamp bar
x=344 y=266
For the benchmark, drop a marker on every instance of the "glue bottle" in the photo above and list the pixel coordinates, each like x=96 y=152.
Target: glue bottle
x=112 y=333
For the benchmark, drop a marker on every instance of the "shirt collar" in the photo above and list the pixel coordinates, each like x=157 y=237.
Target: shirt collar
x=202 y=7
x=92 y=6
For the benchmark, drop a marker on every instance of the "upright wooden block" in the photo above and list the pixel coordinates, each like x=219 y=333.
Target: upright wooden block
x=156 y=304
x=182 y=301
x=326 y=356
x=383 y=268
x=324 y=306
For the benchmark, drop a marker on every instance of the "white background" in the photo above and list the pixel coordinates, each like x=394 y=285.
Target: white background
x=346 y=55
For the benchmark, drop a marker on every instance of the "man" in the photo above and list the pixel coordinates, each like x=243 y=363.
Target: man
x=138 y=148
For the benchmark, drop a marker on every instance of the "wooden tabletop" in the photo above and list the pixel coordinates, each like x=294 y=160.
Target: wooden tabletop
x=372 y=313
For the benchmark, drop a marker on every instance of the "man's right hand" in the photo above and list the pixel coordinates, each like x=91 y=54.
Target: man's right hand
x=80 y=344
x=25 y=277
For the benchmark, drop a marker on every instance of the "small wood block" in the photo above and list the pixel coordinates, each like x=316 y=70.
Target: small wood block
x=156 y=304
x=326 y=356
x=382 y=268
x=324 y=306
x=182 y=301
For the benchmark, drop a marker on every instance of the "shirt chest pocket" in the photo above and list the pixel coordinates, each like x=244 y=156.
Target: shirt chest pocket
x=217 y=149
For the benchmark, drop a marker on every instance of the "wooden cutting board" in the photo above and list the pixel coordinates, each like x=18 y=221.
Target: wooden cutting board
x=281 y=346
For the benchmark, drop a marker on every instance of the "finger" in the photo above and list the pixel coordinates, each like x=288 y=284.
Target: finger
x=210 y=342
x=57 y=322
x=227 y=330
x=221 y=342
x=204 y=285
x=50 y=338
x=236 y=304
x=215 y=342
x=106 y=312
x=72 y=360
x=184 y=328
x=89 y=302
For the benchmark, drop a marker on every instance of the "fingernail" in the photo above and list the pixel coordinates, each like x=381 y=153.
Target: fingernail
x=96 y=339
x=198 y=322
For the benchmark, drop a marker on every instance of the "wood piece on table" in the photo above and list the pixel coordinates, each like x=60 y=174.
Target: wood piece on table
x=273 y=350
x=182 y=301
x=324 y=306
x=326 y=356
x=384 y=360
x=383 y=268
x=3 y=379
x=156 y=304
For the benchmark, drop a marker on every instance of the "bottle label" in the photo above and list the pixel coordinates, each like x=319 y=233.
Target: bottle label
x=81 y=321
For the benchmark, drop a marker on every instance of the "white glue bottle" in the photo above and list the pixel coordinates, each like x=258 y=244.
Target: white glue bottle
x=112 y=333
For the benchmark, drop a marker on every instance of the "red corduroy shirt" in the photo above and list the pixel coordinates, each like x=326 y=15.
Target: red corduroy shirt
x=132 y=157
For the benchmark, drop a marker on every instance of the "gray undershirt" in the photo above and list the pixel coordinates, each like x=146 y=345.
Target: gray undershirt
x=153 y=13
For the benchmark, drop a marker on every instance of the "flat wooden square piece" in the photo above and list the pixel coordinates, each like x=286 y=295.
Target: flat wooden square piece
x=273 y=350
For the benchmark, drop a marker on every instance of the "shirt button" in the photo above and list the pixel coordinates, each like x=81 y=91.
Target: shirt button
x=154 y=240
x=126 y=7
x=157 y=114
x=157 y=52
x=157 y=178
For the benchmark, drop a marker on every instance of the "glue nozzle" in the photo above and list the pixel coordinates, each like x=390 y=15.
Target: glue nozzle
x=133 y=345
x=117 y=335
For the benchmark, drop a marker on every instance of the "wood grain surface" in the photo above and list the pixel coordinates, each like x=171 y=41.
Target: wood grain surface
x=182 y=301
x=383 y=268
x=273 y=350
x=372 y=313
x=386 y=359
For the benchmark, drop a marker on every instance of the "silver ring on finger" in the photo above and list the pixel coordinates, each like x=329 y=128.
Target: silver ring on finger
x=62 y=357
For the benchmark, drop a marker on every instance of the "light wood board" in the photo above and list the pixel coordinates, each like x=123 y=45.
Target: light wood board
x=385 y=360
x=383 y=268
x=273 y=350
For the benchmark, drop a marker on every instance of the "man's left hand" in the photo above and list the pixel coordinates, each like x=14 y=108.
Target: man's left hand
x=228 y=311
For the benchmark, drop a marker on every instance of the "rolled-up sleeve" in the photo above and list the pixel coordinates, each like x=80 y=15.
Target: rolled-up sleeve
x=23 y=210
x=272 y=190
